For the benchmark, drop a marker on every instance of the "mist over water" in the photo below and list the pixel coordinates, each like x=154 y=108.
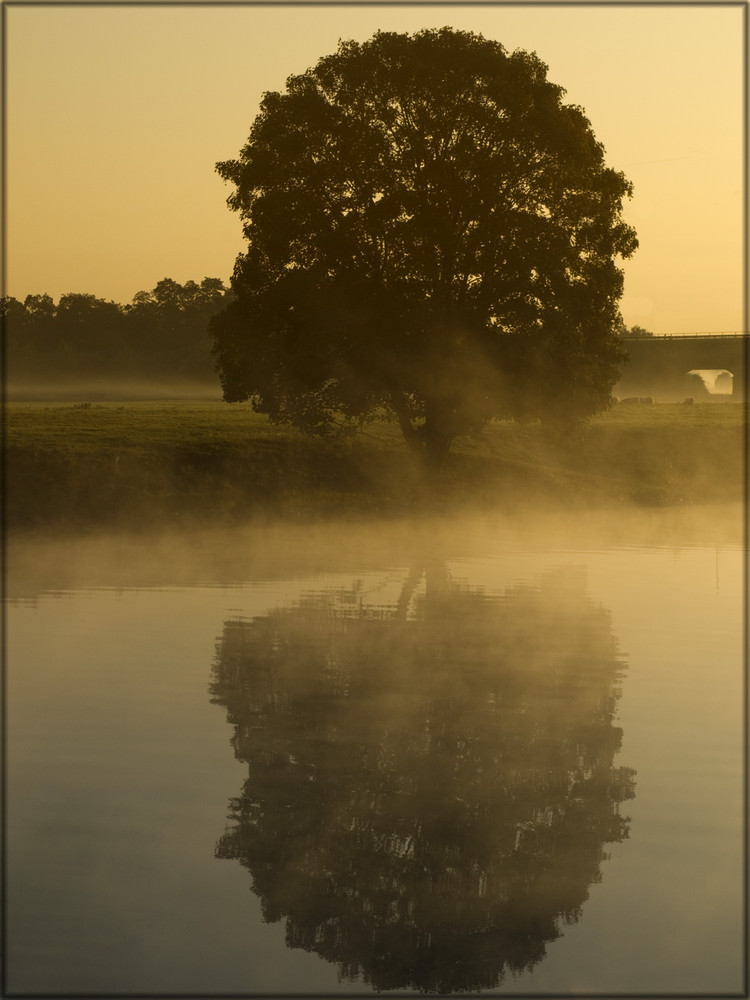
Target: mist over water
x=164 y=554
x=446 y=755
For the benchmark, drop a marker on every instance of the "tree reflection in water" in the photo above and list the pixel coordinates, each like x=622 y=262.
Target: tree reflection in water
x=431 y=783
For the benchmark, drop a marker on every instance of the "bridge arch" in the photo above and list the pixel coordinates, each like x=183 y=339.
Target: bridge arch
x=659 y=366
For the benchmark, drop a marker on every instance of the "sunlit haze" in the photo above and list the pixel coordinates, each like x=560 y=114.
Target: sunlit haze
x=116 y=117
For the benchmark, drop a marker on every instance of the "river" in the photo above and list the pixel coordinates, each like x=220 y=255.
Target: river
x=486 y=755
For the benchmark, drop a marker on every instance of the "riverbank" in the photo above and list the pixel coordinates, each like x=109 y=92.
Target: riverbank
x=98 y=464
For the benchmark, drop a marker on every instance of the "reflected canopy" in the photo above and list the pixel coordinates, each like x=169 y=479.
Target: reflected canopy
x=431 y=782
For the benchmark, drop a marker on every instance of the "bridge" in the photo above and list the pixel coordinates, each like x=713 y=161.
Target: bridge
x=659 y=366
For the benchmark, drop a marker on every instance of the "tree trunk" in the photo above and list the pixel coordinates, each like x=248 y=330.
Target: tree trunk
x=401 y=408
x=435 y=447
x=430 y=443
x=437 y=437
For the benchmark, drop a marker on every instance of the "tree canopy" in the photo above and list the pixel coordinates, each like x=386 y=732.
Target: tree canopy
x=431 y=232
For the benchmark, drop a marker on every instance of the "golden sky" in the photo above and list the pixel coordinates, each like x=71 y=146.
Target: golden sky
x=116 y=116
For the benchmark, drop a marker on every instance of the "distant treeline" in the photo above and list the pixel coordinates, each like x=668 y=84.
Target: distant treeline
x=161 y=334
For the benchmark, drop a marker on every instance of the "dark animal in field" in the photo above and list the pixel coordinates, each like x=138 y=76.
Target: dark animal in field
x=688 y=402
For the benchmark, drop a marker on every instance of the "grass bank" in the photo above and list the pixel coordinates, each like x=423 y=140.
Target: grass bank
x=91 y=464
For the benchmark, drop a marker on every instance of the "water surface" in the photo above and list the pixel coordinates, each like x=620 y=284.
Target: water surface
x=465 y=756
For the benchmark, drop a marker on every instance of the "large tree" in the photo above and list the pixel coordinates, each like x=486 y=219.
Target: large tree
x=431 y=231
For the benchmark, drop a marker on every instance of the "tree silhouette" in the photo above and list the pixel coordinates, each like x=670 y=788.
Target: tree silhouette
x=169 y=326
x=160 y=335
x=432 y=232
x=431 y=784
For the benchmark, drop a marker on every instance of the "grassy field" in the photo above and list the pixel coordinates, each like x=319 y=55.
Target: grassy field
x=101 y=463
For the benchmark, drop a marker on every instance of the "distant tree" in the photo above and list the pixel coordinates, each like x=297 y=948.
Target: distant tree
x=90 y=331
x=39 y=323
x=40 y=307
x=639 y=333
x=634 y=332
x=10 y=306
x=432 y=232
x=31 y=347
x=16 y=346
x=169 y=326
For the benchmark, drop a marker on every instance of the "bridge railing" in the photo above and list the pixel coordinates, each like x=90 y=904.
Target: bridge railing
x=692 y=336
